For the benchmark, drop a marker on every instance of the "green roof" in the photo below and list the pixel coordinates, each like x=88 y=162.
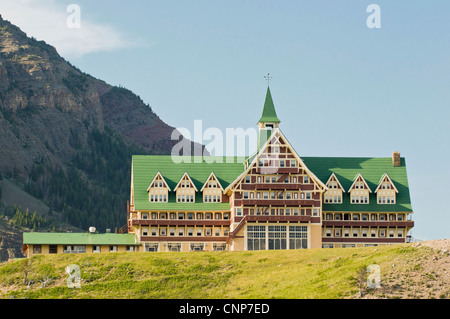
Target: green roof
x=145 y=168
x=227 y=169
x=269 y=114
x=372 y=169
x=78 y=239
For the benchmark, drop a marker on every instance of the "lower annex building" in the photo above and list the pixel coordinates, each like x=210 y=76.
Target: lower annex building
x=273 y=199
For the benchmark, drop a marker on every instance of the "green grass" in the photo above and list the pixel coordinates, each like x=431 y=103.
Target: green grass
x=315 y=273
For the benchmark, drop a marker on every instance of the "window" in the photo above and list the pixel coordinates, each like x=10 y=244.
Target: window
x=277 y=237
x=305 y=179
x=144 y=231
x=174 y=247
x=256 y=237
x=151 y=247
x=53 y=249
x=238 y=211
x=37 y=249
x=74 y=249
x=112 y=248
x=219 y=247
x=96 y=249
x=197 y=247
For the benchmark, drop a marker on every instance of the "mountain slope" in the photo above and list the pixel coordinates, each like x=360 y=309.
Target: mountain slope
x=66 y=137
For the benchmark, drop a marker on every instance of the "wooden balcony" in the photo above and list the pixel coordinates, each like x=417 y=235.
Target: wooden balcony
x=352 y=240
x=367 y=223
x=276 y=170
x=185 y=238
x=181 y=222
x=279 y=219
x=276 y=202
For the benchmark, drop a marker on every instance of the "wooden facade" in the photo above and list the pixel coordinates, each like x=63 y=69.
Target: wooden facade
x=273 y=201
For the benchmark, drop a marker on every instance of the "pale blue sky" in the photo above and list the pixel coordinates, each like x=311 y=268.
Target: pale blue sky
x=339 y=88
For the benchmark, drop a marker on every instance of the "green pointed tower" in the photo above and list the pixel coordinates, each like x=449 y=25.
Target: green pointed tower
x=268 y=121
x=269 y=115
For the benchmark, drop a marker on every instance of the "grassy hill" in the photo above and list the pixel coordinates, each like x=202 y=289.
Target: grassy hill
x=407 y=271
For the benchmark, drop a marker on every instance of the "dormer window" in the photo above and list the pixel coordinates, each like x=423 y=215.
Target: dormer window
x=212 y=190
x=359 y=191
x=386 y=191
x=158 y=190
x=185 y=190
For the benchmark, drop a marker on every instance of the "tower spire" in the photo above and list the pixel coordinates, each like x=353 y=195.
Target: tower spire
x=269 y=115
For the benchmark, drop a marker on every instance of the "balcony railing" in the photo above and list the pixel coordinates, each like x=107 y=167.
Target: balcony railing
x=276 y=202
x=181 y=222
x=366 y=223
x=385 y=240
x=276 y=170
x=185 y=238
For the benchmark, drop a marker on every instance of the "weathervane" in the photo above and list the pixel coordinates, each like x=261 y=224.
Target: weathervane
x=268 y=78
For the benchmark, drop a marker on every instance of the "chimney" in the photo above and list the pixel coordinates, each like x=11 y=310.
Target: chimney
x=396 y=159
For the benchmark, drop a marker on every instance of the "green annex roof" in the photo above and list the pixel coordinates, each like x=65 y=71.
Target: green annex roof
x=145 y=168
x=227 y=169
x=269 y=114
x=78 y=239
x=372 y=169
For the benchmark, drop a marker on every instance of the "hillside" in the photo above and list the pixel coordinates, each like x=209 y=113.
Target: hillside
x=66 y=138
x=407 y=271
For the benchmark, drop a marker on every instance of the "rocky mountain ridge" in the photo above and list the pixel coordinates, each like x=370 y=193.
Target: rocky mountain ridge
x=66 y=137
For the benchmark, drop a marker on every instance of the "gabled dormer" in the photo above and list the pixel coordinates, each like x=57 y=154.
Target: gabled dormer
x=185 y=190
x=335 y=190
x=158 y=190
x=386 y=191
x=212 y=190
x=359 y=191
